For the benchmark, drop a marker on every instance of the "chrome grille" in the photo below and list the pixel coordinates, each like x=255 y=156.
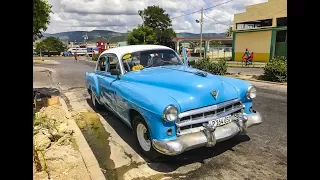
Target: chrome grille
x=192 y=121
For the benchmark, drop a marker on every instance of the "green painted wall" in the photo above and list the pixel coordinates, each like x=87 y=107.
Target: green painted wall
x=281 y=49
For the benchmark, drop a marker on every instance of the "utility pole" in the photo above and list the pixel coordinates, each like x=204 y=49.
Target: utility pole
x=86 y=40
x=144 y=33
x=201 y=23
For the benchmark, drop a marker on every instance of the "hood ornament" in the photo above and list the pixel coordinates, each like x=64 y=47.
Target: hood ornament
x=214 y=93
x=199 y=73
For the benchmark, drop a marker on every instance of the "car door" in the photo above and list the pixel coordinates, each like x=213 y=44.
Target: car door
x=100 y=73
x=105 y=82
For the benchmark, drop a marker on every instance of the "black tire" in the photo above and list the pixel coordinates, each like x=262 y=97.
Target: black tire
x=95 y=103
x=151 y=154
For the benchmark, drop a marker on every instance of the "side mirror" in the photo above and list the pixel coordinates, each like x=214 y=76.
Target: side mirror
x=115 y=72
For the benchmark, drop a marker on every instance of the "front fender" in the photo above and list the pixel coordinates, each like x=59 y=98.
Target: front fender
x=150 y=102
x=92 y=83
x=241 y=86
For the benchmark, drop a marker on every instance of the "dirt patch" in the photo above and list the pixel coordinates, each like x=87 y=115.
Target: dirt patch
x=56 y=154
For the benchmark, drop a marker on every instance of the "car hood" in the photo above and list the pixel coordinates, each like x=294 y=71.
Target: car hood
x=190 y=90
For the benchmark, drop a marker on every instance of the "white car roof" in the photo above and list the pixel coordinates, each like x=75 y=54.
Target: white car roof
x=120 y=51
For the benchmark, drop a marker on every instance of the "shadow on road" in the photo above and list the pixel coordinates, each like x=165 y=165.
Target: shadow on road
x=169 y=163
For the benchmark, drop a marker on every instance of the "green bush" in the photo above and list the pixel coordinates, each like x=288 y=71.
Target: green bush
x=276 y=70
x=95 y=57
x=218 y=68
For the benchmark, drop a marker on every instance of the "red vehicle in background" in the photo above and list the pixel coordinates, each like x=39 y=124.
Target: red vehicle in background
x=102 y=46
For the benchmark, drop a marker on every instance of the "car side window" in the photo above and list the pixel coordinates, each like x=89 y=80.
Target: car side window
x=102 y=63
x=113 y=63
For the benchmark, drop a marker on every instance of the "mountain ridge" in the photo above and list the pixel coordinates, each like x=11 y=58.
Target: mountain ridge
x=112 y=36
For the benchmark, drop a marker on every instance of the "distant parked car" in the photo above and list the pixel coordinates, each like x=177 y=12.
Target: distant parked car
x=170 y=106
x=66 y=54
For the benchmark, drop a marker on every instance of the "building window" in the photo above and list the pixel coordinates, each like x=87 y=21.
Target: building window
x=281 y=36
x=254 y=24
x=282 y=21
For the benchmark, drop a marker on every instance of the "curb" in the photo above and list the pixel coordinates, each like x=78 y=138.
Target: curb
x=90 y=61
x=88 y=157
x=268 y=82
x=46 y=61
x=243 y=67
x=38 y=60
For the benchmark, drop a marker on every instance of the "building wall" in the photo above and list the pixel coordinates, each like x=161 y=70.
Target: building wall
x=257 y=42
x=261 y=41
x=271 y=9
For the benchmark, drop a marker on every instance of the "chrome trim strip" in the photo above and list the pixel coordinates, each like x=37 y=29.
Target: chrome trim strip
x=208 y=108
x=190 y=130
x=186 y=123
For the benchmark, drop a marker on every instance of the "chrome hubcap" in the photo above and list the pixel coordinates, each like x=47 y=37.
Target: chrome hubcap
x=143 y=137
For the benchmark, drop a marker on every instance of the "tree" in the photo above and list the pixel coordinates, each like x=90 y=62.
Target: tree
x=40 y=46
x=137 y=36
x=194 y=44
x=229 y=32
x=50 y=44
x=156 y=18
x=41 y=17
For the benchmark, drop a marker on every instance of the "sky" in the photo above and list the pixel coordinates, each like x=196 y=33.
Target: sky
x=122 y=15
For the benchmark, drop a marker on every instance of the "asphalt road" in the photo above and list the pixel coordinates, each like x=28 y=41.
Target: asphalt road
x=262 y=154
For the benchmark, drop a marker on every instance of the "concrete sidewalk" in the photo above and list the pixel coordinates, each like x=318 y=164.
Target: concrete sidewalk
x=41 y=79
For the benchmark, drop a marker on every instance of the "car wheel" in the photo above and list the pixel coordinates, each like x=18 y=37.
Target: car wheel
x=94 y=101
x=143 y=138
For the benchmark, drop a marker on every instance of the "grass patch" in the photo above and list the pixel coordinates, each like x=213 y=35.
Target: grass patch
x=74 y=143
x=97 y=138
x=88 y=119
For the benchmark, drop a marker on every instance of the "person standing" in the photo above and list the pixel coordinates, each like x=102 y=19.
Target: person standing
x=75 y=56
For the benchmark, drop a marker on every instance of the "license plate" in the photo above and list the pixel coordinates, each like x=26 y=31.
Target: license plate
x=222 y=121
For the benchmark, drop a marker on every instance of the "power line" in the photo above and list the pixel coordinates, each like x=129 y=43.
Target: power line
x=210 y=18
x=218 y=22
x=191 y=4
x=203 y=9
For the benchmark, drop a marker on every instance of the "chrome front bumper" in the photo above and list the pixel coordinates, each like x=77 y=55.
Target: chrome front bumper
x=209 y=137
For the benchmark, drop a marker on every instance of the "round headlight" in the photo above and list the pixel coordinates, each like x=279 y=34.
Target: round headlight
x=170 y=113
x=252 y=92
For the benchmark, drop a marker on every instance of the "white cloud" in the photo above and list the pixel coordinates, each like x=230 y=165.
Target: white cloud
x=121 y=15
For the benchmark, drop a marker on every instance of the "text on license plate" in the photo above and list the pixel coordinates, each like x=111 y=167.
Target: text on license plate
x=222 y=121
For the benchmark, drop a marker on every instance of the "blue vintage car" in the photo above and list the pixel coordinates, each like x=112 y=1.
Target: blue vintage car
x=170 y=106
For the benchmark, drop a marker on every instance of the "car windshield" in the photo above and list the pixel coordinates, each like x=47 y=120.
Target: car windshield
x=150 y=58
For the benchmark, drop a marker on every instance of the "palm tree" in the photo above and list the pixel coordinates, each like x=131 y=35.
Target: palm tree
x=229 y=32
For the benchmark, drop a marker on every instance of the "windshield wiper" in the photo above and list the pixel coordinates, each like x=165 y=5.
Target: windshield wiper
x=147 y=66
x=198 y=73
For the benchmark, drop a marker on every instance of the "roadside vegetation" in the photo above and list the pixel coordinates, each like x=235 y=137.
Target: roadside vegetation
x=95 y=57
x=214 y=67
x=50 y=46
x=276 y=70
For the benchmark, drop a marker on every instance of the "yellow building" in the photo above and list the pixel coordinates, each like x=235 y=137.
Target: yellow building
x=262 y=29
